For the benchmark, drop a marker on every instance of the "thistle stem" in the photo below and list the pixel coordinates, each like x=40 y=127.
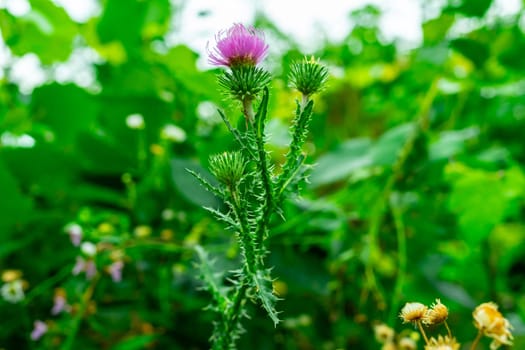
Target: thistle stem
x=247 y=110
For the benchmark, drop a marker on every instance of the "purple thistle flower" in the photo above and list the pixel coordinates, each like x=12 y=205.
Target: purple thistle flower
x=238 y=46
x=40 y=328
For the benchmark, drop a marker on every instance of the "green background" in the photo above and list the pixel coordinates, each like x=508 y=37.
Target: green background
x=417 y=193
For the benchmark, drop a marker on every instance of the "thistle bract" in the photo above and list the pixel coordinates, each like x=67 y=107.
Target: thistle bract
x=308 y=76
x=244 y=82
x=228 y=168
x=238 y=46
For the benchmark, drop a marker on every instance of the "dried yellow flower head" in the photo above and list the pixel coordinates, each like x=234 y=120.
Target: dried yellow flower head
x=442 y=343
x=413 y=312
x=437 y=313
x=383 y=333
x=491 y=322
x=407 y=343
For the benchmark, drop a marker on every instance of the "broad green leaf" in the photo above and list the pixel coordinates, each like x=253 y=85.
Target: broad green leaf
x=386 y=150
x=472 y=8
x=483 y=199
x=472 y=49
x=451 y=143
x=337 y=165
x=435 y=30
x=46 y=31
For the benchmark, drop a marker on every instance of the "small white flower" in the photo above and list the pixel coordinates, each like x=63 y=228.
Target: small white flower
x=88 y=249
x=135 y=121
x=174 y=133
x=13 y=291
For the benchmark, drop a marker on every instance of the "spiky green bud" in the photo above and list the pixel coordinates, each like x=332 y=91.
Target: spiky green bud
x=228 y=168
x=244 y=82
x=308 y=76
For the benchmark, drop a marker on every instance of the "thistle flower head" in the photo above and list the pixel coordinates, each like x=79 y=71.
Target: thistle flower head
x=238 y=46
x=413 y=312
x=308 y=76
x=491 y=322
x=437 y=313
x=442 y=343
x=228 y=168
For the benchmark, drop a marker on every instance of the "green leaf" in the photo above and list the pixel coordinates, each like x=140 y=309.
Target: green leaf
x=435 y=30
x=385 y=150
x=337 y=165
x=472 y=49
x=451 y=143
x=483 y=199
x=473 y=8
x=46 y=31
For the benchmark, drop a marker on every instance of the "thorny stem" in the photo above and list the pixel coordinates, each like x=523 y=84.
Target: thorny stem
x=422 y=125
x=420 y=326
x=231 y=318
x=249 y=253
x=247 y=110
x=476 y=341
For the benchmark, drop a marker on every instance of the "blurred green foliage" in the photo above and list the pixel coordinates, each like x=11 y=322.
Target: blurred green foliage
x=418 y=192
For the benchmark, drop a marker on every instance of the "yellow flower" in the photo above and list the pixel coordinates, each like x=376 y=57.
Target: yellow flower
x=413 y=312
x=383 y=333
x=442 y=343
x=491 y=322
x=437 y=313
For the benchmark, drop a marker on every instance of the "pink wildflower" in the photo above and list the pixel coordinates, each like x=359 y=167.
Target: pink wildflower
x=91 y=269
x=115 y=270
x=87 y=266
x=238 y=46
x=75 y=233
x=60 y=304
x=40 y=328
x=80 y=266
